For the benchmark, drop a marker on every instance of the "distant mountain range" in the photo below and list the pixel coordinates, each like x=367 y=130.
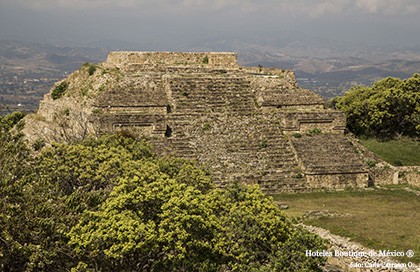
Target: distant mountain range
x=29 y=69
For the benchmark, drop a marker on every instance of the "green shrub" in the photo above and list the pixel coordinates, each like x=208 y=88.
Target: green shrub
x=206 y=60
x=206 y=126
x=59 y=90
x=315 y=131
x=109 y=204
x=263 y=144
x=387 y=109
x=84 y=91
x=298 y=175
x=370 y=163
x=38 y=144
x=297 y=135
x=236 y=229
x=97 y=111
x=20 y=125
x=12 y=119
x=91 y=69
x=398 y=163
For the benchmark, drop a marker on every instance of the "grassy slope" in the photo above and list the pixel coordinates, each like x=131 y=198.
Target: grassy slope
x=396 y=152
x=379 y=219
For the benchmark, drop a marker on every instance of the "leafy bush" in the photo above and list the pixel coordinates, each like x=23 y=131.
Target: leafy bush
x=206 y=126
x=388 y=108
x=315 y=131
x=10 y=120
x=38 y=144
x=59 y=90
x=66 y=112
x=297 y=135
x=298 y=175
x=109 y=204
x=91 y=69
x=370 y=163
x=160 y=224
x=263 y=144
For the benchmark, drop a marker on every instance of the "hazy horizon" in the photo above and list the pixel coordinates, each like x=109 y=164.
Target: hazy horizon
x=171 y=24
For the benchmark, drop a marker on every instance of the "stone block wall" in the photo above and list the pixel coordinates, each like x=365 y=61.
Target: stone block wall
x=337 y=181
x=261 y=73
x=387 y=175
x=249 y=149
x=234 y=119
x=383 y=175
x=203 y=106
x=330 y=161
x=215 y=94
x=218 y=59
x=409 y=175
x=304 y=121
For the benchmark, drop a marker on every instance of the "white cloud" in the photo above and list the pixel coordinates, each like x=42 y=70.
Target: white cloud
x=369 y=6
x=327 y=7
x=388 y=7
x=154 y=20
x=73 y=4
x=312 y=8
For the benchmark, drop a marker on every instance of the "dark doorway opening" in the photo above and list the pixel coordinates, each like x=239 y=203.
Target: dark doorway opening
x=168 y=132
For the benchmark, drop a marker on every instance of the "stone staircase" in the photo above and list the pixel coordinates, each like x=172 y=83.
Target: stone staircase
x=250 y=149
x=328 y=153
x=231 y=118
x=332 y=156
x=206 y=94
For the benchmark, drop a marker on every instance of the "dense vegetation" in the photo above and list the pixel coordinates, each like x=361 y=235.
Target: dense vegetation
x=110 y=204
x=387 y=109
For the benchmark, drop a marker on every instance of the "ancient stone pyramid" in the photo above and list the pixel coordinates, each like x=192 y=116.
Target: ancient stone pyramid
x=253 y=125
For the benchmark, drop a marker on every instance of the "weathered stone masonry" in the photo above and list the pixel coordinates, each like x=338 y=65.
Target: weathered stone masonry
x=237 y=120
x=251 y=124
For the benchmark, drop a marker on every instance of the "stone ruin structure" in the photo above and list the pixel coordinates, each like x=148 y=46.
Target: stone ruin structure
x=253 y=125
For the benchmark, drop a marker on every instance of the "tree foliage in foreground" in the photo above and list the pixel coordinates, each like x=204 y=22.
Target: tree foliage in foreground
x=160 y=224
x=110 y=204
x=389 y=108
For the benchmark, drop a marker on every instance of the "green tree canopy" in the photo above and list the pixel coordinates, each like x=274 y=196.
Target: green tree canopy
x=160 y=224
x=110 y=204
x=40 y=205
x=390 y=107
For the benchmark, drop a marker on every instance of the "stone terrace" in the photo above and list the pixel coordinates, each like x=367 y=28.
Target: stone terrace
x=222 y=59
x=330 y=161
x=237 y=120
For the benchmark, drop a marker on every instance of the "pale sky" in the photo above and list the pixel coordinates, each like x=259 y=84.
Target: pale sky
x=174 y=22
